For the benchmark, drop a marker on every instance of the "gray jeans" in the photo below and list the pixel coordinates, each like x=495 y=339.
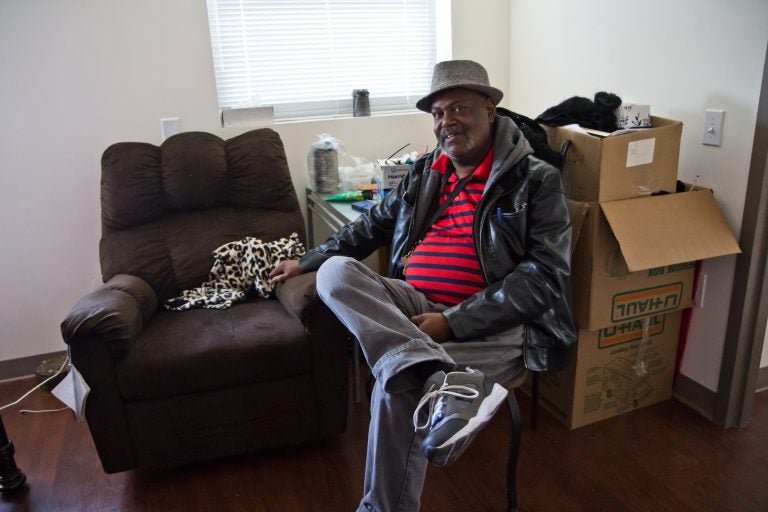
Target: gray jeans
x=376 y=310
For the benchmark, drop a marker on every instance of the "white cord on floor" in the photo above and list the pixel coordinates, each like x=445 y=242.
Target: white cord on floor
x=30 y=411
x=25 y=395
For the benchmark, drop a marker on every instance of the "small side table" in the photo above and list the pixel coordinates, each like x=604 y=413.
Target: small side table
x=325 y=218
x=11 y=477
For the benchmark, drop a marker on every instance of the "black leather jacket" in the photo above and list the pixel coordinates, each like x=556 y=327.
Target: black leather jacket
x=522 y=234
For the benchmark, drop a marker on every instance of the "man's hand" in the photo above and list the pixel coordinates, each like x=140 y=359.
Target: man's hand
x=434 y=325
x=283 y=271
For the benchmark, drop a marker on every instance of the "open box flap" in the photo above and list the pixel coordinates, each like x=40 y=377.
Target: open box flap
x=578 y=212
x=664 y=230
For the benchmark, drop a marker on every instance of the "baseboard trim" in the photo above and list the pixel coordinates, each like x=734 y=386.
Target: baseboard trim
x=695 y=396
x=762 y=379
x=23 y=366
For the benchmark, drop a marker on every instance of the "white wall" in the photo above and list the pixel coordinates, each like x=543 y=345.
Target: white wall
x=80 y=75
x=764 y=358
x=480 y=31
x=680 y=57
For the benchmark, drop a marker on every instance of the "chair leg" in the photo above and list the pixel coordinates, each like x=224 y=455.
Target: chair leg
x=356 y=368
x=534 y=400
x=514 y=451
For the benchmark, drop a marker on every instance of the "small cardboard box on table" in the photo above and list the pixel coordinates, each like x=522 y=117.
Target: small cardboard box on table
x=632 y=272
x=389 y=174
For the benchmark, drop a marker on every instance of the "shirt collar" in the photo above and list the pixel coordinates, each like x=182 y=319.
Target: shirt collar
x=482 y=171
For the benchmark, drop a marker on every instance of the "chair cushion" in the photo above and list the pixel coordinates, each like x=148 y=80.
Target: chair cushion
x=181 y=352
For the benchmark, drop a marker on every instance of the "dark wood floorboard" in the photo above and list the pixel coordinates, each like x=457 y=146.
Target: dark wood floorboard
x=661 y=458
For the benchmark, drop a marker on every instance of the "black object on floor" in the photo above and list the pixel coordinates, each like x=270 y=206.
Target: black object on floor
x=11 y=477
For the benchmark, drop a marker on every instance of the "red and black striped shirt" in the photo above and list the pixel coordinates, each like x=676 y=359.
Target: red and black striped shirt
x=444 y=265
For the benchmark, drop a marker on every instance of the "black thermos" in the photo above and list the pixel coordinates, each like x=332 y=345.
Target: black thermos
x=361 y=105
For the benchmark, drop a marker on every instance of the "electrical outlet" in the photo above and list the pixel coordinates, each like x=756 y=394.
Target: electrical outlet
x=169 y=126
x=713 y=127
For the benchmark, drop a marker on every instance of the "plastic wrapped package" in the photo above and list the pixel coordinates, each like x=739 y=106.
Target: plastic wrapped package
x=323 y=163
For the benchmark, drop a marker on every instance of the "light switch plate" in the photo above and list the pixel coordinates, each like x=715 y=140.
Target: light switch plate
x=713 y=127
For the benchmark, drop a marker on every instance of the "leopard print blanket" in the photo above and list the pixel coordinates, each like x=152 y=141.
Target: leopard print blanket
x=239 y=267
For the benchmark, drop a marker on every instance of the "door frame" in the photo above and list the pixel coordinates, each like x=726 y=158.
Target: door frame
x=748 y=314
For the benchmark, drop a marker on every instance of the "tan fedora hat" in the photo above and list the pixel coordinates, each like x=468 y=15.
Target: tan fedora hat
x=453 y=74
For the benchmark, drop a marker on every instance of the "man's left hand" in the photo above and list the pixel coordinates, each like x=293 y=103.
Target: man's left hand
x=434 y=325
x=283 y=271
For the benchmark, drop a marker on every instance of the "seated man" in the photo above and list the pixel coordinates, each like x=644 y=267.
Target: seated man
x=478 y=285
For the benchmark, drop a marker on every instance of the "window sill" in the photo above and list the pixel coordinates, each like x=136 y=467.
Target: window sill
x=338 y=117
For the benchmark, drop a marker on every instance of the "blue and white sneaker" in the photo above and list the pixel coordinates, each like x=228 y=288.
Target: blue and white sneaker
x=461 y=403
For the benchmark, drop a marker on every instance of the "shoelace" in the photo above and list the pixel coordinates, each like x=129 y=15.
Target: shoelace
x=433 y=396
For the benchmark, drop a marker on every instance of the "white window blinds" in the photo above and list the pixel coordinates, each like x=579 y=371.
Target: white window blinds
x=305 y=57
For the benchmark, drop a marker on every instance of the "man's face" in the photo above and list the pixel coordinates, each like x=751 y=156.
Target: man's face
x=463 y=125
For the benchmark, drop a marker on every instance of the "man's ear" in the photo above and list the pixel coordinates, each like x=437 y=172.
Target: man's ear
x=490 y=108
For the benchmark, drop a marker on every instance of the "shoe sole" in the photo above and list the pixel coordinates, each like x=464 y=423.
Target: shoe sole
x=459 y=441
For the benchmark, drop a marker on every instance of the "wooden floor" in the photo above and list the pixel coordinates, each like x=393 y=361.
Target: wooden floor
x=661 y=458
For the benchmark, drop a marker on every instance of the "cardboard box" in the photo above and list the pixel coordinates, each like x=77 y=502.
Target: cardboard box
x=577 y=211
x=389 y=175
x=613 y=371
x=602 y=166
x=635 y=257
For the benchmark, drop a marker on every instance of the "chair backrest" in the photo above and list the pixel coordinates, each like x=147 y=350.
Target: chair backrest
x=165 y=209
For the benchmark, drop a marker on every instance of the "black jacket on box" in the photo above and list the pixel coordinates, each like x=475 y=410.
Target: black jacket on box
x=522 y=235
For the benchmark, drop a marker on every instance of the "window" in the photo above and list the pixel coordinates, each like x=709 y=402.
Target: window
x=305 y=57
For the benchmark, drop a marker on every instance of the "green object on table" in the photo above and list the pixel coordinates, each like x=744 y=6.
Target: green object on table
x=355 y=195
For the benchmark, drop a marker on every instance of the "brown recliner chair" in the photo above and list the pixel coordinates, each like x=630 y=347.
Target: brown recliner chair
x=171 y=387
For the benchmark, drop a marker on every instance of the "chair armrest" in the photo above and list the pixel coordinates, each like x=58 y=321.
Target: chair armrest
x=329 y=342
x=298 y=295
x=139 y=289
x=115 y=313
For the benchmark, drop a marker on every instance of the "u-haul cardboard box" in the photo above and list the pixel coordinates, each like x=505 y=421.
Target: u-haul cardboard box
x=614 y=370
x=636 y=257
x=601 y=166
